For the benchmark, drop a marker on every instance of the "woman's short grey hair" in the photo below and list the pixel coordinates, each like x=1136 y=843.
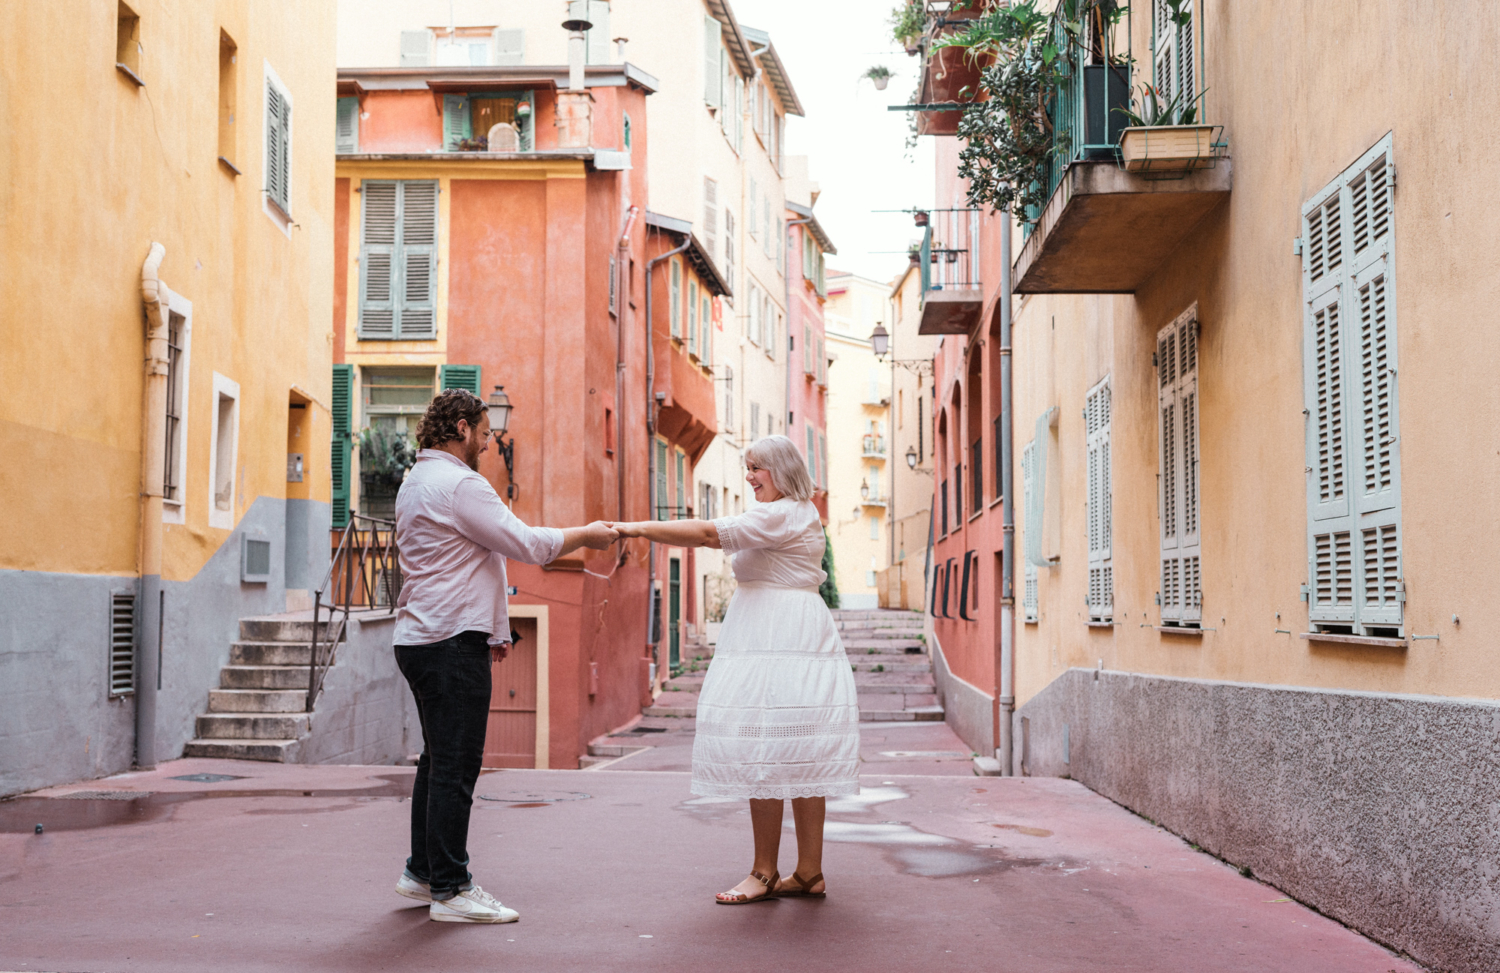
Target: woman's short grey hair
x=788 y=472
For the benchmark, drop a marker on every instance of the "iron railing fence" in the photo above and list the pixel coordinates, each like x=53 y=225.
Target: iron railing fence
x=364 y=573
x=950 y=250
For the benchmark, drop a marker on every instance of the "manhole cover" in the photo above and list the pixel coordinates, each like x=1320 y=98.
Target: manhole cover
x=104 y=795
x=535 y=797
x=208 y=778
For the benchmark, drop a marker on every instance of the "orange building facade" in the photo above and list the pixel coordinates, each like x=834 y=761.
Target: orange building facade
x=490 y=230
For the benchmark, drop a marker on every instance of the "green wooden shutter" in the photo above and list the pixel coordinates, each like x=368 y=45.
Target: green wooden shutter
x=459 y=377
x=377 y=259
x=343 y=421
x=346 y=127
x=418 y=259
x=1353 y=498
x=457 y=125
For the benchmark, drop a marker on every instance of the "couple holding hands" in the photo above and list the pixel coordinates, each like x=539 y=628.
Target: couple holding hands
x=777 y=715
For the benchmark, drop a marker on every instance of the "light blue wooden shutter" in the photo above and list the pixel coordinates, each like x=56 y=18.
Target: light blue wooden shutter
x=457 y=125
x=692 y=318
x=674 y=304
x=418 y=259
x=510 y=46
x=1029 y=572
x=278 y=147
x=1096 y=416
x=377 y=259
x=1354 y=487
x=712 y=73
x=464 y=377
x=343 y=421
x=706 y=327
x=346 y=126
x=1181 y=565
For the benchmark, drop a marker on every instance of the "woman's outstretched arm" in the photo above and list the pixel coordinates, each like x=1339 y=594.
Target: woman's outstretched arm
x=678 y=533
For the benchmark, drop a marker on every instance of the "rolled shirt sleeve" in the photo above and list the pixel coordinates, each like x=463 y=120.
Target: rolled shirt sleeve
x=758 y=527
x=483 y=518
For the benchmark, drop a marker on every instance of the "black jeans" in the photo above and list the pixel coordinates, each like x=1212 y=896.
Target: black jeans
x=451 y=682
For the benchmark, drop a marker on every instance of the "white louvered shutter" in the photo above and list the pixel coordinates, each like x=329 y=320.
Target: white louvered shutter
x=1029 y=572
x=1181 y=569
x=510 y=46
x=278 y=147
x=1096 y=414
x=419 y=210
x=713 y=71
x=1172 y=56
x=346 y=126
x=377 y=260
x=416 y=47
x=1354 y=481
x=711 y=217
x=692 y=318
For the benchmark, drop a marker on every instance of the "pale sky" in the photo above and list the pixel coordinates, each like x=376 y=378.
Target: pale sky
x=854 y=145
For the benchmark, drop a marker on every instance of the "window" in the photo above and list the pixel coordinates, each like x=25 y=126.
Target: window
x=470 y=120
x=1354 y=544
x=958 y=493
x=812 y=453
x=767 y=245
x=398 y=260
x=395 y=398
x=1172 y=52
x=228 y=97
x=1177 y=365
x=121 y=644
x=706 y=328
x=823 y=452
x=416 y=48
x=614 y=286
x=976 y=476
x=729 y=248
x=674 y=305
x=510 y=49
x=943 y=502
x=772 y=325
x=223 y=452
x=755 y=310
x=609 y=431
x=661 y=479
x=174 y=476
x=1032 y=527
x=278 y=145
x=754 y=420
x=712 y=69
x=346 y=126
x=711 y=216
x=753 y=228
x=739 y=113
x=1096 y=423
x=625 y=133
x=680 y=499
x=692 y=323
x=128 y=44
x=728 y=398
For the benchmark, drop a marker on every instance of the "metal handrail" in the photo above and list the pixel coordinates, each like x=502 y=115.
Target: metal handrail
x=365 y=572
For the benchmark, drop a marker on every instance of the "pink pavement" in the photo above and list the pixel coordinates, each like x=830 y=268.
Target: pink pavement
x=615 y=870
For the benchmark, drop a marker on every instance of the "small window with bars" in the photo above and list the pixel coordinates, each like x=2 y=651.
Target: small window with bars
x=121 y=644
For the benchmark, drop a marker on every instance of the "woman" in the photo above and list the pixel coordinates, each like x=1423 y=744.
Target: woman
x=777 y=716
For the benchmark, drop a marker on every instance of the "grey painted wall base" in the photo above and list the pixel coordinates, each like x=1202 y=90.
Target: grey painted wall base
x=58 y=722
x=1377 y=810
x=969 y=710
x=366 y=714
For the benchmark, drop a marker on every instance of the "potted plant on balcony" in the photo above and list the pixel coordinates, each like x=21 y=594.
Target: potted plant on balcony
x=880 y=75
x=907 y=23
x=1165 y=135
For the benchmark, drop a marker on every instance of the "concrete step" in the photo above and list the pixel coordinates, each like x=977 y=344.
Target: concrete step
x=878 y=614
x=864 y=687
x=257 y=700
x=888 y=663
x=252 y=726
x=922 y=714
x=275 y=751
x=674 y=704
x=281 y=628
x=270 y=654
x=610 y=751
x=263 y=677
x=869 y=632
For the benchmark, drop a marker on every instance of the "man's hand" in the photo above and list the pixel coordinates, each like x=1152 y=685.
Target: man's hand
x=599 y=535
x=625 y=529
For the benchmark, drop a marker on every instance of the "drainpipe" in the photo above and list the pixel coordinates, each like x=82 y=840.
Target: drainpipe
x=651 y=441
x=622 y=301
x=1006 y=698
x=786 y=280
x=153 y=486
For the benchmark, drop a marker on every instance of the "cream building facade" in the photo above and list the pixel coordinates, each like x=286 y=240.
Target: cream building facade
x=911 y=445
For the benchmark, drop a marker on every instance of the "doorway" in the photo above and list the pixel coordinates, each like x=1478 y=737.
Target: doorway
x=674 y=612
x=510 y=739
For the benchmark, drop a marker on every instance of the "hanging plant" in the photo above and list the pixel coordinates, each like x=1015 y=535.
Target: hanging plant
x=880 y=75
x=907 y=23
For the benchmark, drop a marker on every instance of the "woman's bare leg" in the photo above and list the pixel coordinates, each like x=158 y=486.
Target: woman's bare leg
x=765 y=822
x=808 y=814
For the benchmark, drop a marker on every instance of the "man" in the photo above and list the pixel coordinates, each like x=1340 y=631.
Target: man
x=454 y=534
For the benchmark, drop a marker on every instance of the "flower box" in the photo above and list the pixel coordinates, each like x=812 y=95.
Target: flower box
x=1168 y=148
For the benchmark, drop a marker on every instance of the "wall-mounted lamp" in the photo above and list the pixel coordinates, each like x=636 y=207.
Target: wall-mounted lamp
x=499 y=408
x=880 y=340
x=911 y=457
x=864 y=489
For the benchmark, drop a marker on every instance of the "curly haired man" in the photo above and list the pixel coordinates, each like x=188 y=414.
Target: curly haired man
x=454 y=535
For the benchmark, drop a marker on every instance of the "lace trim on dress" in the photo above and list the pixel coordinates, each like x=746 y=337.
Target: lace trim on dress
x=728 y=531
x=772 y=792
x=775 y=731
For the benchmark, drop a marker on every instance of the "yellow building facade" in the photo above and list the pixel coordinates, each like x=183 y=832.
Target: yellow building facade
x=165 y=407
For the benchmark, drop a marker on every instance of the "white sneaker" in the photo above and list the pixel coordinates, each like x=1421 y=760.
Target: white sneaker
x=473 y=904
x=413 y=889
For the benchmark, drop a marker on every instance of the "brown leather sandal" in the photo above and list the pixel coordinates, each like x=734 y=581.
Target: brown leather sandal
x=804 y=886
x=740 y=898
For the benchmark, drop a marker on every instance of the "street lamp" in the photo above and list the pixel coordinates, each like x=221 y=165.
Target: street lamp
x=880 y=340
x=864 y=489
x=499 y=408
x=911 y=457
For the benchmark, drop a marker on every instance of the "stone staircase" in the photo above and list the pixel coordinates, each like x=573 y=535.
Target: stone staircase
x=259 y=710
x=892 y=669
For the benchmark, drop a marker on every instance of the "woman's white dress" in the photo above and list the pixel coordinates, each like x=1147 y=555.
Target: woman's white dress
x=777 y=715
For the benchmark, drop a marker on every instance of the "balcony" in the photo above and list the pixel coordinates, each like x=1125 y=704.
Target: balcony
x=952 y=296
x=874 y=447
x=1105 y=229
